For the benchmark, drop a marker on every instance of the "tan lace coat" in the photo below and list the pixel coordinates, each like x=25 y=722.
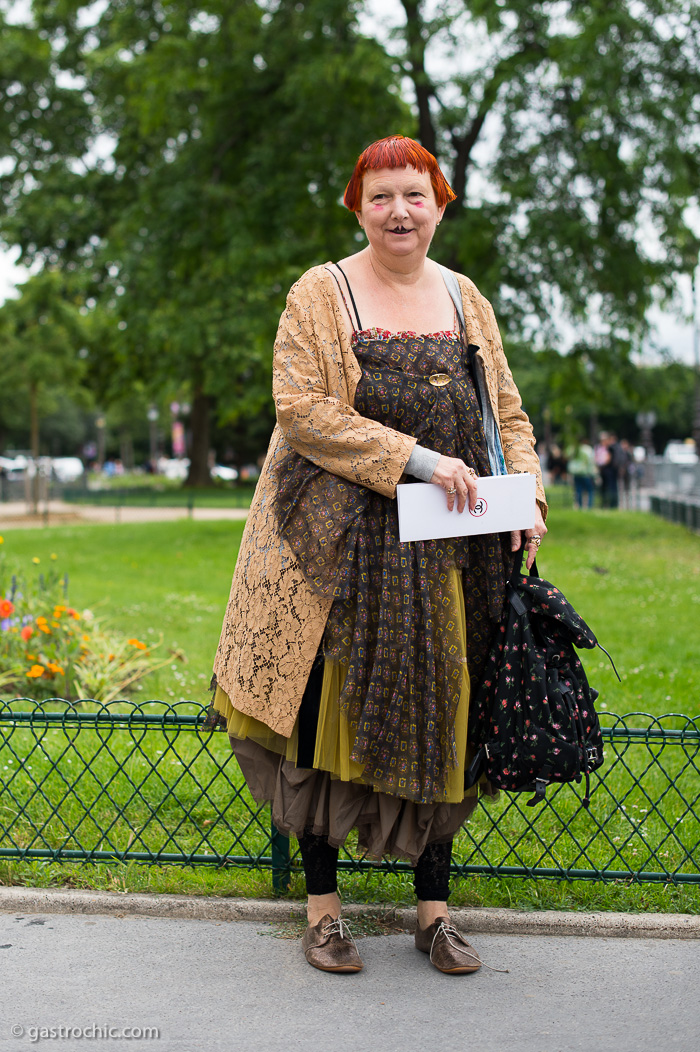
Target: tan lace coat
x=274 y=621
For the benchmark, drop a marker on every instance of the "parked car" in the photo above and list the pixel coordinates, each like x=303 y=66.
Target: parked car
x=681 y=453
x=14 y=465
x=174 y=469
x=67 y=469
x=226 y=474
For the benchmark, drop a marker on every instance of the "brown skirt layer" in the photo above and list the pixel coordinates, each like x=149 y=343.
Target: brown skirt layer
x=307 y=799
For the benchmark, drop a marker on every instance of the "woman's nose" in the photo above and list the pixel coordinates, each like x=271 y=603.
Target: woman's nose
x=399 y=210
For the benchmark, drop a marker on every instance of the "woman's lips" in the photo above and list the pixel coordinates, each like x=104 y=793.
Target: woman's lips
x=401 y=230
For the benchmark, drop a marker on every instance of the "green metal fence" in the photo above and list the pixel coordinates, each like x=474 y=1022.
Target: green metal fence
x=142 y=783
x=682 y=510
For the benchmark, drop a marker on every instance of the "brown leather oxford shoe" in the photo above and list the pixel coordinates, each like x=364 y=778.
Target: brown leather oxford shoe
x=329 y=946
x=449 y=950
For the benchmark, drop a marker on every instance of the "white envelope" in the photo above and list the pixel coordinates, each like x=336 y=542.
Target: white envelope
x=505 y=502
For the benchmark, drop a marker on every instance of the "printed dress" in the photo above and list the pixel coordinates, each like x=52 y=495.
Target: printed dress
x=381 y=742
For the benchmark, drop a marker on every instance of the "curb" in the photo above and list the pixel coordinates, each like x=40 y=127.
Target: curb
x=17 y=899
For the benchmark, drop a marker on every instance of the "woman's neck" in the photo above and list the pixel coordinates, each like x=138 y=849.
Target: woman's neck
x=399 y=296
x=396 y=274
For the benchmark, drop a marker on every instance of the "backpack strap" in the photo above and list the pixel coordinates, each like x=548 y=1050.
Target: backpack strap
x=493 y=438
x=518 y=566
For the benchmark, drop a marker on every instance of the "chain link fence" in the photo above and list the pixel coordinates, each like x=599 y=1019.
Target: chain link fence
x=141 y=782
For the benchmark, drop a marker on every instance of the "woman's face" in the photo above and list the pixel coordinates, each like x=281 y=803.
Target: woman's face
x=399 y=212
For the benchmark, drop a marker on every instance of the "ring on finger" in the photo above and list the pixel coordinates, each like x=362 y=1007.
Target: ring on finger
x=472 y=474
x=536 y=540
x=451 y=492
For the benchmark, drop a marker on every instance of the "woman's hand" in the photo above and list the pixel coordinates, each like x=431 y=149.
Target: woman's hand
x=458 y=482
x=533 y=536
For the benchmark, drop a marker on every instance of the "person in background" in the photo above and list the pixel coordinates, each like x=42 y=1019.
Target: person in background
x=607 y=469
x=623 y=459
x=582 y=468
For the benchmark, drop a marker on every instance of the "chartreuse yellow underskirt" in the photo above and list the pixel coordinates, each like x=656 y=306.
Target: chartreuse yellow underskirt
x=335 y=738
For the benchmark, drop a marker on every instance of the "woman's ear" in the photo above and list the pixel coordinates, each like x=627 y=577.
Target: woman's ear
x=359 y=218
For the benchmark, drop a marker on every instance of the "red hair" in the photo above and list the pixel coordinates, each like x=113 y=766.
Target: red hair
x=397 y=152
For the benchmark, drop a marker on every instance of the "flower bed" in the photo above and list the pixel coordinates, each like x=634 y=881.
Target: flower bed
x=49 y=649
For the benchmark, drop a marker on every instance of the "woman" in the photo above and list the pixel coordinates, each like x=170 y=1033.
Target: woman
x=341 y=674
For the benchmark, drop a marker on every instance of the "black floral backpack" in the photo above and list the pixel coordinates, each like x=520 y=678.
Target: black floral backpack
x=533 y=717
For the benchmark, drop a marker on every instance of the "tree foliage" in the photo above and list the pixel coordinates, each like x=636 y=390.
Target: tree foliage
x=183 y=165
x=571 y=130
x=232 y=149
x=41 y=348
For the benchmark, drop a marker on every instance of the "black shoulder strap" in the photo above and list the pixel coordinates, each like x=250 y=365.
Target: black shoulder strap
x=352 y=298
x=518 y=565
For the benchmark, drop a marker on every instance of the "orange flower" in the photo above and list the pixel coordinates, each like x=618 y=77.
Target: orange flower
x=111 y=657
x=45 y=629
x=6 y=608
x=58 y=610
x=54 y=669
x=137 y=643
x=35 y=671
x=73 y=613
x=41 y=621
x=86 y=637
x=27 y=633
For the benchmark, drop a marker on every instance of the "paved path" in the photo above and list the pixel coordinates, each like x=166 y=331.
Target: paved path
x=234 y=986
x=14 y=515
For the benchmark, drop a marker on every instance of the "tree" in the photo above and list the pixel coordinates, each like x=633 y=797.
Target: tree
x=232 y=149
x=571 y=132
x=40 y=348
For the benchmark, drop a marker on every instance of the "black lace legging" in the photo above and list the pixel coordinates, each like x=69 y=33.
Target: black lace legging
x=431 y=876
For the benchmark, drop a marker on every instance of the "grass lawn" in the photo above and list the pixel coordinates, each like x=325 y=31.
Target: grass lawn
x=166 y=496
x=636 y=579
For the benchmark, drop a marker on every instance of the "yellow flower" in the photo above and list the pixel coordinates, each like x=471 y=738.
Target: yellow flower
x=53 y=555
x=137 y=643
x=35 y=671
x=2 y=540
x=36 y=560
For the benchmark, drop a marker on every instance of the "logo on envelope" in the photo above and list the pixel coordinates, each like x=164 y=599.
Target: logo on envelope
x=480 y=508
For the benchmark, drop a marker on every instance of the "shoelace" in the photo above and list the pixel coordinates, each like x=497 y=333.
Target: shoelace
x=449 y=931
x=339 y=927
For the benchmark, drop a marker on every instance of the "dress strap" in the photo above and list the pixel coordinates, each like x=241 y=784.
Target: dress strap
x=352 y=298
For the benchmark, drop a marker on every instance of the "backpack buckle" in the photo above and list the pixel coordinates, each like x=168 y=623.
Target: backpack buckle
x=540 y=789
x=592 y=753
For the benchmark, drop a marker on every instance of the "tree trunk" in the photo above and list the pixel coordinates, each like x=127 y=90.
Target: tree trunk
x=126 y=450
x=200 y=423
x=34 y=442
x=422 y=85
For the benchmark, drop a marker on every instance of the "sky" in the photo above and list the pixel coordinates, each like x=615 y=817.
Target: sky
x=671 y=332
